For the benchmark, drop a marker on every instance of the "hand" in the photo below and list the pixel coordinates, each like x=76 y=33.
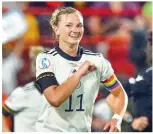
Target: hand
x=112 y=125
x=140 y=123
x=85 y=68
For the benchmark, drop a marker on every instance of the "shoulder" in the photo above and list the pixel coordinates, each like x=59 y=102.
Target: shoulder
x=18 y=94
x=28 y=86
x=21 y=90
x=149 y=70
x=96 y=56
x=46 y=58
x=148 y=73
x=52 y=52
x=144 y=77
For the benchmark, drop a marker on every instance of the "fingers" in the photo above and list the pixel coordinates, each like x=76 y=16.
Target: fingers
x=86 y=68
x=144 y=119
x=116 y=129
x=143 y=126
x=92 y=68
x=107 y=125
x=112 y=126
x=140 y=123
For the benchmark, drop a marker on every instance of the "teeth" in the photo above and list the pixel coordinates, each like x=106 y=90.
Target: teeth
x=76 y=36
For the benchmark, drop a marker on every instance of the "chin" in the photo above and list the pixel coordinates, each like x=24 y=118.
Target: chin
x=74 y=42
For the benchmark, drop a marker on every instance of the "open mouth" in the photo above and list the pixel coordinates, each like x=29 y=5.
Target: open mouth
x=75 y=36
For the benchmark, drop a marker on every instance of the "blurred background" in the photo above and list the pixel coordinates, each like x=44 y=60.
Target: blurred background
x=115 y=29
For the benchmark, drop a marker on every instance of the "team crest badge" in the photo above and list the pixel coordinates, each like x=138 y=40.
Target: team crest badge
x=44 y=63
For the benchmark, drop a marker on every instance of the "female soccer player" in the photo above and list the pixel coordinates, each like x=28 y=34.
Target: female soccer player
x=69 y=77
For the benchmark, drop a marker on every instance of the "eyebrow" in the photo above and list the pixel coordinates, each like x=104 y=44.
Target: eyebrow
x=72 y=23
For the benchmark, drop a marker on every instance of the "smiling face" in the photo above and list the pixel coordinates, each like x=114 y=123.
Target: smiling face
x=70 y=28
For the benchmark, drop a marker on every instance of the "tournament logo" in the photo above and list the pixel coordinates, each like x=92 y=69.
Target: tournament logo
x=44 y=63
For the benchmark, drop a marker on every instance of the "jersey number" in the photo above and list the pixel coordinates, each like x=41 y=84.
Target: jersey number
x=70 y=109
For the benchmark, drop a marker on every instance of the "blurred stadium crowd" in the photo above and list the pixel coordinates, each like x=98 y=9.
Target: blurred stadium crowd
x=115 y=29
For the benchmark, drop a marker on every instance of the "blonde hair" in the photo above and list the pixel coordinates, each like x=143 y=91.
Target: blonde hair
x=55 y=18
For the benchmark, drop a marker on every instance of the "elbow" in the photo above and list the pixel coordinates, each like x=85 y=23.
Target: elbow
x=51 y=96
x=54 y=102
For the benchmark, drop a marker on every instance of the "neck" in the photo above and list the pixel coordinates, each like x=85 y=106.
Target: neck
x=69 y=49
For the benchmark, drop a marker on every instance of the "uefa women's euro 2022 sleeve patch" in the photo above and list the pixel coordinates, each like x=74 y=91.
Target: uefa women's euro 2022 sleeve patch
x=44 y=63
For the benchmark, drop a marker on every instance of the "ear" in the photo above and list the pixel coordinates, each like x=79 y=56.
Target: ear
x=56 y=30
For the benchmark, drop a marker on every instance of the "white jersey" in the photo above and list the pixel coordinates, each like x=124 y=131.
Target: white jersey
x=10 y=67
x=25 y=103
x=75 y=114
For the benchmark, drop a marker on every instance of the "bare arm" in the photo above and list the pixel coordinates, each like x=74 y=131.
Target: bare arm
x=56 y=95
x=19 y=47
x=118 y=100
x=5 y=127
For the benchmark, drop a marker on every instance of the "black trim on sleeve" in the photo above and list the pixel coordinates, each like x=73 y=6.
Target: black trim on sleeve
x=6 y=111
x=45 y=80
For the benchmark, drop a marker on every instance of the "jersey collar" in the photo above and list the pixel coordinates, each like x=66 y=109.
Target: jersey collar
x=68 y=57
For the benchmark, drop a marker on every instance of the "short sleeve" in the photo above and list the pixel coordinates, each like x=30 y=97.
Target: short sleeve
x=16 y=101
x=108 y=77
x=45 y=76
x=106 y=69
x=43 y=64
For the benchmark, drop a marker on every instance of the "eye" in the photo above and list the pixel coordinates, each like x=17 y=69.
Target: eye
x=68 y=26
x=80 y=26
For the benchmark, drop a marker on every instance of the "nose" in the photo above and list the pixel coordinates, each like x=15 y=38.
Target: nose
x=76 y=29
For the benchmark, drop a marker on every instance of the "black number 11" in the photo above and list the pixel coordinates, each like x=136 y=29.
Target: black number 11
x=70 y=104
